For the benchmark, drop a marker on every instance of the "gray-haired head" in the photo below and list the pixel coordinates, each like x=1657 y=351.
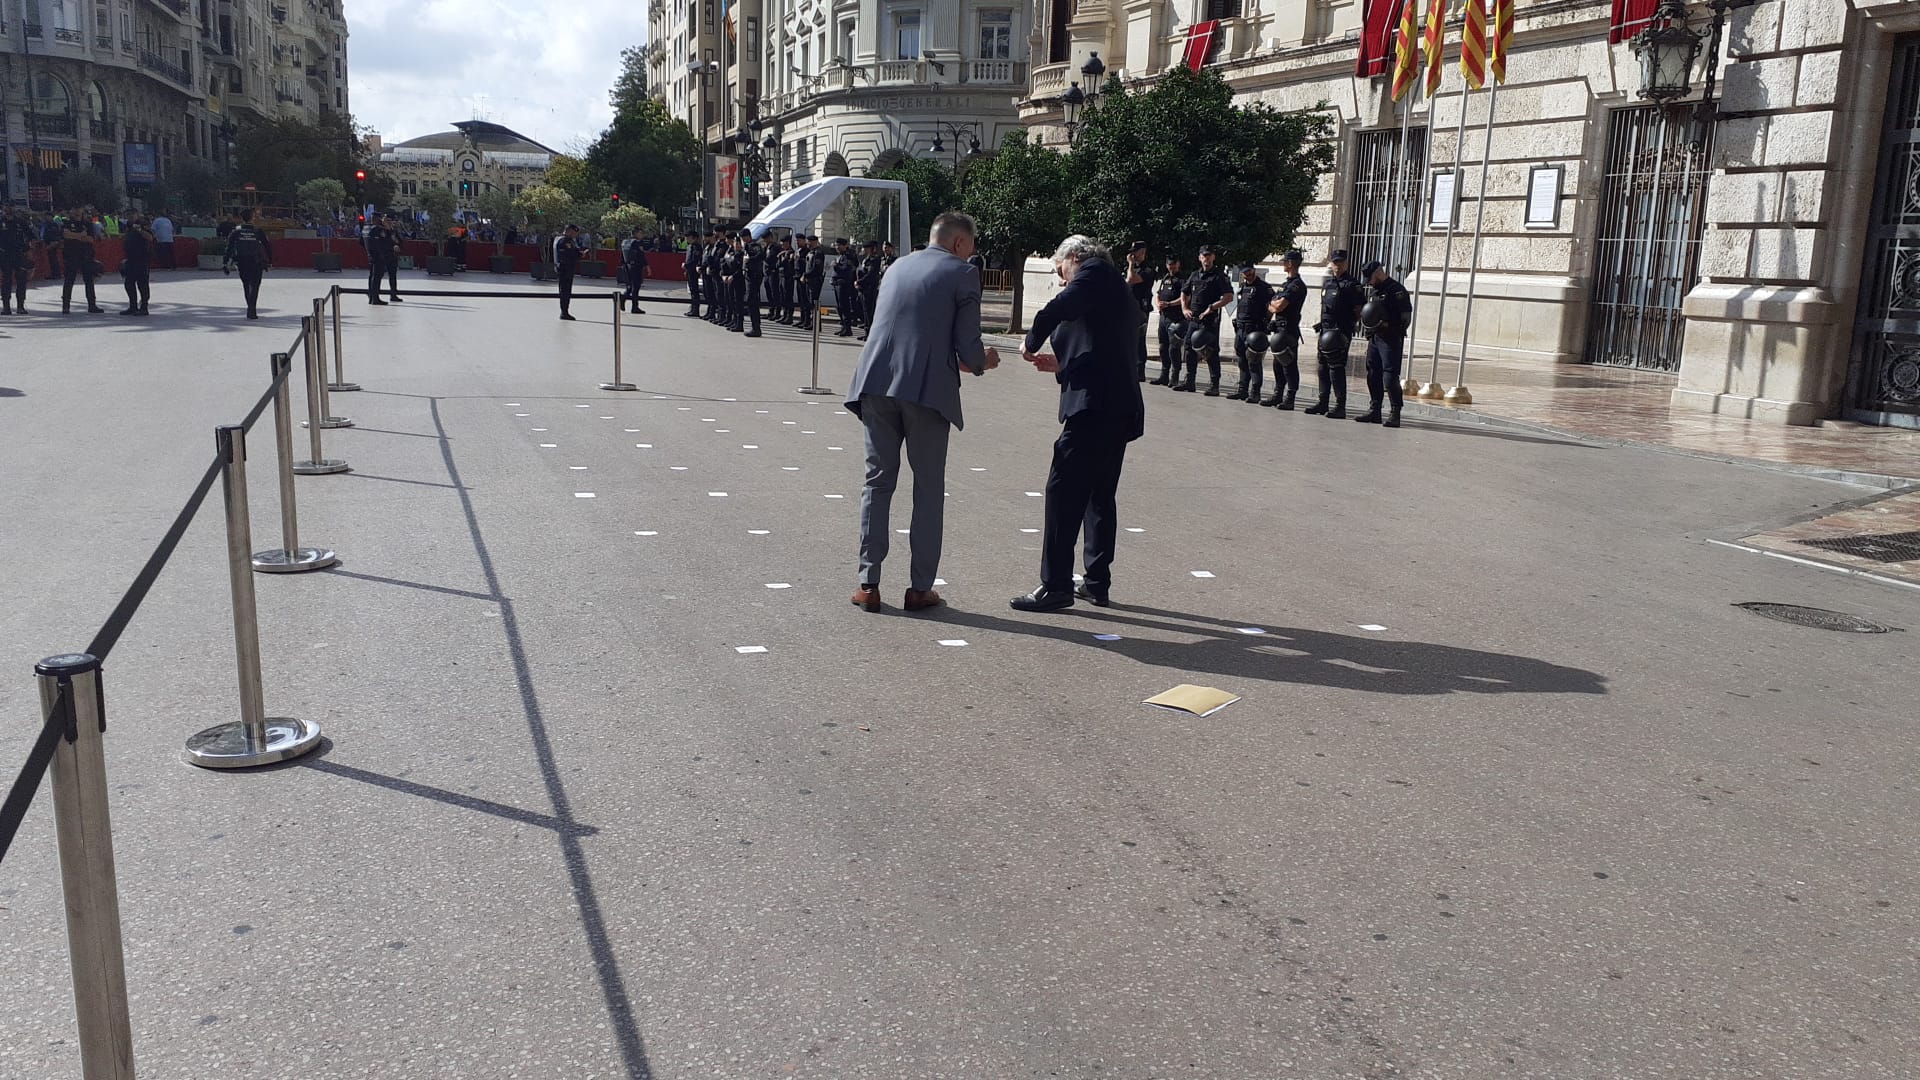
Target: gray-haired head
x=950 y=226
x=1079 y=248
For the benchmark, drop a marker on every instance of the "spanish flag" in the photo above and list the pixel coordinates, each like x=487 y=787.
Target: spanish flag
x=1436 y=40
x=1500 y=40
x=1403 y=52
x=1473 y=45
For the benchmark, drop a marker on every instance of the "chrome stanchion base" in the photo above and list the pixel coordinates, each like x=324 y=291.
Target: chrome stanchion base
x=226 y=746
x=618 y=386
x=331 y=422
x=342 y=387
x=282 y=561
x=816 y=390
x=323 y=467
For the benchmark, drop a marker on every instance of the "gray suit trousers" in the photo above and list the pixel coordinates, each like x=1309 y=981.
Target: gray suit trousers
x=890 y=422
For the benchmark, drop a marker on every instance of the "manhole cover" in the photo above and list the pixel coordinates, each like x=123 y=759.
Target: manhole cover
x=1817 y=618
x=1880 y=547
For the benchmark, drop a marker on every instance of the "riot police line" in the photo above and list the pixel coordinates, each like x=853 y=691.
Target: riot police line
x=1270 y=319
x=731 y=276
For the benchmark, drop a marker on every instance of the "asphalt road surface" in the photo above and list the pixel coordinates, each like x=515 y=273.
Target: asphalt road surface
x=1512 y=789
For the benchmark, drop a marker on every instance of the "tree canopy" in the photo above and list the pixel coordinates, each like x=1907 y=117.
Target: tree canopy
x=321 y=197
x=1180 y=165
x=647 y=156
x=1019 y=202
x=622 y=222
x=544 y=207
x=438 y=204
x=629 y=93
x=931 y=191
x=280 y=154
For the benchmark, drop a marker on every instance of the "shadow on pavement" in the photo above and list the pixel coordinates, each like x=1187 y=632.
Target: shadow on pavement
x=1368 y=664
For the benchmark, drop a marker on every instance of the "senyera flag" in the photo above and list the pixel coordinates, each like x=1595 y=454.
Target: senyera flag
x=1403 y=52
x=1500 y=40
x=1473 y=46
x=1436 y=40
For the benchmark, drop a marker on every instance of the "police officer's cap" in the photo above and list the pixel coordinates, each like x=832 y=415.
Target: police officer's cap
x=1209 y=249
x=872 y=244
x=1139 y=245
x=1367 y=270
x=1246 y=268
x=1293 y=257
x=1337 y=255
x=842 y=240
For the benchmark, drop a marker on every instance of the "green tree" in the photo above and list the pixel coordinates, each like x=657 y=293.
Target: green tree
x=438 y=204
x=647 y=156
x=544 y=207
x=621 y=223
x=194 y=185
x=280 y=154
x=321 y=197
x=578 y=179
x=629 y=93
x=1018 y=199
x=931 y=191
x=495 y=206
x=77 y=188
x=1180 y=165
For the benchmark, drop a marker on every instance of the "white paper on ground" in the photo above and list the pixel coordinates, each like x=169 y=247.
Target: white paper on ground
x=1375 y=627
x=749 y=648
x=583 y=494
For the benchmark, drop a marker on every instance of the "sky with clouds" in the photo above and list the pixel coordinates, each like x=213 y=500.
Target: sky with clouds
x=540 y=67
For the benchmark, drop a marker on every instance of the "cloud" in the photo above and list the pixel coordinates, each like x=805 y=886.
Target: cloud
x=540 y=67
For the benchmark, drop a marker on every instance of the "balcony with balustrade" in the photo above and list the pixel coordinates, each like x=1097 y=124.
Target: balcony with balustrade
x=1049 y=81
x=65 y=36
x=179 y=7
x=33 y=29
x=99 y=129
x=164 y=68
x=994 y=73
x=53 y=124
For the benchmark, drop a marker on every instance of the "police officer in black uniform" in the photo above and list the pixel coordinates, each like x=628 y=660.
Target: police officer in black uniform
x=780 y=282
x=1140 y=284
x=1385 y=317
x=136 y=248
x=247 y=249
x=392 y=267
x=379 y=242
x=76 y=250
x=815 y=280
x=846 y=304
x=696 y=258
x=1283 y=332
x=710 y=275
x=731 y=280
x=1206 y=293
x=1340 y=300
x=16 y=240
x=634 y=258
x=1173 y=324
x=1250 y=320
x=756 y=272
x=866 y=283
x=567 y=254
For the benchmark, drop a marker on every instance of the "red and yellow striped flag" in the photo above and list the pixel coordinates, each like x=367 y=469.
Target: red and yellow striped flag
x=1473 y=45
x=1500 y=39
x=1403 y=48
x=1436 y=40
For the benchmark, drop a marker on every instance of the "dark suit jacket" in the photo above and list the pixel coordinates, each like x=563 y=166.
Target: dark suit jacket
x=1092 y=324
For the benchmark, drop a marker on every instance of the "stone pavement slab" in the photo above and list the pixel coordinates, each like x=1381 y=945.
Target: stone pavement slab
x=1513 y=790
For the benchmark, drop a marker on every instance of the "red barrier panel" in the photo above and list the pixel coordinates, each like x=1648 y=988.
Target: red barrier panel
x=298 y=254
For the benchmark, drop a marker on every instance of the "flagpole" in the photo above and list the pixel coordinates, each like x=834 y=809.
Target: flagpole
x=1458 y=394
x=1417 y=233
x=1432 y=387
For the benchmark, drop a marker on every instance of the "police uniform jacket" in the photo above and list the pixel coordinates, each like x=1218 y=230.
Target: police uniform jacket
x=756 y=262
x=1143 y=291
x=1399 y=310
x=248 y=247
x=14 y=241
x=379 y=243
x=1206 y=288
x=692 y=265
x=869 y=277
x=76 y=240
x=1252 y=298
x=1287 y=323
x=816 y=266
x=566 y=254
x=1340 y=300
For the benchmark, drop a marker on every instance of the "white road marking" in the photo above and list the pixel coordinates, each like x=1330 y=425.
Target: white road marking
x=836 y=496
x=954 y=642
x=1249 y=630
x=583 y=495
x=778 y=585
x=1029 y=530
x=1106 y=637
x=749 y=648
x=1374 y=627
x=717 y=494
x=1202 y=573
x=758 y=532
x=647 y=532
x=548 y=445
x=1136 y=530
x=1034 y=494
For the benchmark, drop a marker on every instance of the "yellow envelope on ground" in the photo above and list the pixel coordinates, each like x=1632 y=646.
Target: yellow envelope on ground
x=1198 y=700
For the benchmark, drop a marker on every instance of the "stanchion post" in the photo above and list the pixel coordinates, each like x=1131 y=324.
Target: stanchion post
x=617 y=383
x=340 y=383
x=317 y=343
x=289 y=557
x=819 y=314
x=255 y=738
x=86 y=866
x=319 y=464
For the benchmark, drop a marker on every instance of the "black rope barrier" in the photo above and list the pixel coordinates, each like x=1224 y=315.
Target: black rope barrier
x=58 y=723
x=123 y=612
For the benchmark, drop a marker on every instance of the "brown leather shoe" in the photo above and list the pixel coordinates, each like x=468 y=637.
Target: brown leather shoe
x=868 y=597
x=920 y=601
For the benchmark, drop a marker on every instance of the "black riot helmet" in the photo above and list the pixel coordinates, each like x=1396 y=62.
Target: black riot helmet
x=1257 y=342
x=1376 y=313
x=1333 y=342
x=1197 y=336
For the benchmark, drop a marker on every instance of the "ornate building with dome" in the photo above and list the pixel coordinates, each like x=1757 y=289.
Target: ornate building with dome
x=473 y=159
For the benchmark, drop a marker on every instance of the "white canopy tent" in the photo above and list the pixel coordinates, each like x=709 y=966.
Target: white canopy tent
x=801 y=207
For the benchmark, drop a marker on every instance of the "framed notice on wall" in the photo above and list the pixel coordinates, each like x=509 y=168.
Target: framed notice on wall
x=1543 y=196
x=1442 y=200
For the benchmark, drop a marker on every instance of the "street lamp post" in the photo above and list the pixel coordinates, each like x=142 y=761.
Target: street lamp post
x=697 y=72
x=1071 y=103
x=967 y=129
x=771 y=144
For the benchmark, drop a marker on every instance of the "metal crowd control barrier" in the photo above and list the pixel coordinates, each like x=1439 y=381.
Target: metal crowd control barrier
x=319 y=464
x=813 y=385
x=317 y=344
x=290 y=557
x=339 y=385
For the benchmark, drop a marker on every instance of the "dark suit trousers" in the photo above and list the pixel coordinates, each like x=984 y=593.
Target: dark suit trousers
x=250 y=285
x=1140 y=349
x=565 y=277
x=376 y=269
x=1080 y=497
x=693 y=292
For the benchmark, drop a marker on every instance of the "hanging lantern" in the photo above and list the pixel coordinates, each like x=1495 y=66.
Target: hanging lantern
x=1667 y=49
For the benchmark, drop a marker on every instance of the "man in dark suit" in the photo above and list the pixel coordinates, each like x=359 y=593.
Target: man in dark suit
x=1092 y=324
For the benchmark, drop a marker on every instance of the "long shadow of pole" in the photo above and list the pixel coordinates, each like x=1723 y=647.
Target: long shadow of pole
x=567 y=830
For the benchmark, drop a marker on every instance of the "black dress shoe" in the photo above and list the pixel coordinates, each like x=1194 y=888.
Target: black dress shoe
x=1096 y=597
x=1042 y=599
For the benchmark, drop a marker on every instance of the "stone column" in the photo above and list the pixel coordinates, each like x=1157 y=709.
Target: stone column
x=1769 y=324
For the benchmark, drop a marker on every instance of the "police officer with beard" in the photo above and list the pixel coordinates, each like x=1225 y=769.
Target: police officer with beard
x=1340 y=300
x=1283 y=333
x=1250 y=318
x=1206 y=293
x=755 y=272
x=1173 y=324
x=1140 y=284
x=846 y=305
x=696 y=260
x=1385 y=317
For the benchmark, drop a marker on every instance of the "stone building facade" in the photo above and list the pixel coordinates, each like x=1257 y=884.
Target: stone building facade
x=1747 y=245
x=93 y=83
x=474 y=159
x=842 y=87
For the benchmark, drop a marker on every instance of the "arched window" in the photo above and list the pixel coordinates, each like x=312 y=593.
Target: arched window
x=96 y=102
x=50 y=97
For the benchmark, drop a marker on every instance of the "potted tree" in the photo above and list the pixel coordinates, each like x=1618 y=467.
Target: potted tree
x=496 y=208
x=321 y=199
x=213 y=252
x=545 y=210
x=437 y=204
x=618 y=226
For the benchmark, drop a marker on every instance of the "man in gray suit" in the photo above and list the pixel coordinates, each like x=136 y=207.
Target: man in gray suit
x=926 y=327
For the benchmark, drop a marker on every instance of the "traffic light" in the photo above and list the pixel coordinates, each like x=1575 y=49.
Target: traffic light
x=613 y=201
x=360 y=175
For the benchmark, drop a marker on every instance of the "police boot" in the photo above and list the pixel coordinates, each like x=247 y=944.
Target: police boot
x=6 y=308
x=1166 y=374
x=1237 y=395
x=1392 y=420
x=1371 y=416
x=1186 y=386
x=1213 y=388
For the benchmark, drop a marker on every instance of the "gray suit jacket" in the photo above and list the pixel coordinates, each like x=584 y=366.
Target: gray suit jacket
x=926 y=325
